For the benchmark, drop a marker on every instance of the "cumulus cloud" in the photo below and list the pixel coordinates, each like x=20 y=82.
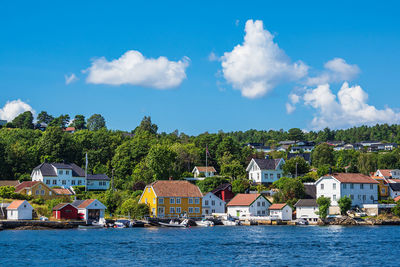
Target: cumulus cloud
x=13 y=108
x=336 y=70
x=258 y=65
x=134 y=69
x=70 y=78
x=293 y=100
x=348 y=108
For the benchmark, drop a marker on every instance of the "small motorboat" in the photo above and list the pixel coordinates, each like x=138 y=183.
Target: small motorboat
x=175 y=223
x=122 y=224
x=205 y=223
x=231 y=222
x=93 y=225
x=301 y=221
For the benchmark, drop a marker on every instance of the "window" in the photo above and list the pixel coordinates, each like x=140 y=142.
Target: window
x=371 y=186
x=258 y=176
x=60 y=172
x=73 y=182
x=263 y=204
x=213 y=202
x=258 y=204
x=100 y=183
x=197 y=200
x=148 y=189
x=190 y=200
x=190 y=210
x=47 y=181
x=172 y=200
x=171 y=210
x=37 y=192
x=278 y=176
x=79 y=182
x=263 y=212
x=206 y=202
x=64 y=182
x=383 y=191
x=178 y=209
x=160 y=200
x=352 y=197
x=54 y=181
x=334 y=197
x=364 y=197
x=271 y=176
x=359 y=197
x=213 y=211
x=145 y=200
x=265 y=176
x=153 y=211
x=40 y=186
x=258 y=212
x=361 y=186
x=196 y=210
x=154 y=200
x=351 y=186
x=344 y=186
x=178 y=200
x=42 y=192
x=251 y=175
x=322 y=186
x=67 y=172
x=372 y=197
x=334 y=186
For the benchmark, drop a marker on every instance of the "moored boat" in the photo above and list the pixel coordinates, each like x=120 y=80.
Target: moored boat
x=174 y=223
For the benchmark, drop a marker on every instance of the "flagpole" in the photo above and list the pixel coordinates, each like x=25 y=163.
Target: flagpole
x=206 y=160
x=86 y=166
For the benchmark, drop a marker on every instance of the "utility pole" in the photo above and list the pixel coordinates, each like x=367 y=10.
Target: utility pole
x=296 y=169
x=112 y=179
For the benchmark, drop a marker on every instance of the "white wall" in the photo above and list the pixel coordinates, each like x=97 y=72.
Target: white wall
x=284 y=214
x=264 y=176
x=306 y=212
x=328 y=187
x=238 y=211
x=68 y=178
x=207 y=204
x=24 y=212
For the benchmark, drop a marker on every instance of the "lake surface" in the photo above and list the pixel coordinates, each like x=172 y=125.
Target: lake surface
x=216 y=246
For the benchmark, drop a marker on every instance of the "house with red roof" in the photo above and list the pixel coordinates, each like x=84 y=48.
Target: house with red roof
x=224 y=192
x=90 y=210
x=243 y=205
x=36 y=189
x=361 y=188
x=281 y=211
x=65 y=211
x=200 y=171
x=19 y=210
x=388 y=174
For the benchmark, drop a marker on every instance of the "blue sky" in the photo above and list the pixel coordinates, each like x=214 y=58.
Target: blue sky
x=43 y=42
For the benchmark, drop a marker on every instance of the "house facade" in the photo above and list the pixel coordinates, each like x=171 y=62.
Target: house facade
x=212 y=204
x=199 y=171
x=59 y=174
x=361 y=188
x=65 y=211
x=172 y=199
x=306 y=209
x=248 y=205
x=394 y=190
x=265 y=171
x=19 y=210
x=90 y=210
x=388 y=174
x=281 y=211
x=98 y=182
x=224 y=192
x=36 y=189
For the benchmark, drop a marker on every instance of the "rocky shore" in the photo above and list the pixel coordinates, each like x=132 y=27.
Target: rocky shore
x=37 y=225
x=346 y=220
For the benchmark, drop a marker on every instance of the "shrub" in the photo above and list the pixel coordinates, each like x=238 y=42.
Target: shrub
x=344 y=204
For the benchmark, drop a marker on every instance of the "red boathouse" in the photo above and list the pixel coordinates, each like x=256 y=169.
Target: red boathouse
x=65 y=211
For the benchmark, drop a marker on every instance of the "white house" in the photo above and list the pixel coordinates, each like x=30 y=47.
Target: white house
x=59 y=174
x=388 y=174
x=361 y=188
x=281 y=211
x=98 y=182
x=248 y=205
x=394 y=190
x=212 y=204
x=306 y=209
x=19 y=210
x=208 y=171
x=90 y=209
x=265 y=170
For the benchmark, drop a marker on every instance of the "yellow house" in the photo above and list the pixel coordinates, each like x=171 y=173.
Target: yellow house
x=172 y=199
x=36 y=189
x=382 y=186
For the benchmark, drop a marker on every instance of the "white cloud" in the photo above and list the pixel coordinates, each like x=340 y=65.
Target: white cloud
x=293 y=100
x=70 y=78
x=336 y=70
x=348 y=108
x=258 y=65
x=134 y=69
x=213 y=57
x=13 y=108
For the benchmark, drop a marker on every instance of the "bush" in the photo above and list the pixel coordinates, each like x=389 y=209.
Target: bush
x=39 y=201
x=396 y=210
x=344 y=204
x=323 y=206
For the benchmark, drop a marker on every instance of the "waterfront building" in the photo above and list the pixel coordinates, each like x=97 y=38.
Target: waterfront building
x=281 y=211
x=171 y=199
x=248 y=205
x=90 y=210
x=208 y=171
x=388 y=174
x=212 y=204
x=265 y=171
x=306 y=209
x=98 y=182
x=65 y=211
x=19 y=210
x=361 y=188
x=36 y=189
x=394 y=190
x=224 y=192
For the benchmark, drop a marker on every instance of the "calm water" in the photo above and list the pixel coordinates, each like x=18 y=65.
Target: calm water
x=217 y=246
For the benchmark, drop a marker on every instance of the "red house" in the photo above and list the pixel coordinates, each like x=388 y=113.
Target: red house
x=224 y=192
x=65 y=211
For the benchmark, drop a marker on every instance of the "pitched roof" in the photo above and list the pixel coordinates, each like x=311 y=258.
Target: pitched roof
x=205 y=169
x=26 y=184
x=221 y=187
x=394 y=186
x=61 y=206
x=9 y=182
x=277 y=206
x=15 y=204
x=306 y=203
x=98 y=177
x=83 y=203
x=397 y=198
x=385 y=172
x=62 y=191
x=243 y=199
x=47 y=169
x=394 y=180
x=353 y=178
x=69 y=129
x=267 y=164
x=168 y=188
x=76 y=203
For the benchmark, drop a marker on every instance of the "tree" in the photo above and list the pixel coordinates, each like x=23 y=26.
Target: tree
x=131 y=208
x=240 y=186
x=296 y=166
x=210 y=183
x=61 y=121
x=44 y=117
x=160 y=161
x=96 y=122
x=79 y=122
x=146 y=126
x=396 y=210
x=23 y=120
x=344 y=204
x=323 y=206
x=290 y=190
x=322 y=154
x=295 y=134
x=367 y=162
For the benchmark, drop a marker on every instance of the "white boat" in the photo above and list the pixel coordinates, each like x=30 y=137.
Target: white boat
x=93 y=225
x=205 y=223
x=174 y=223
x=230 y=222
x=122 y=224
